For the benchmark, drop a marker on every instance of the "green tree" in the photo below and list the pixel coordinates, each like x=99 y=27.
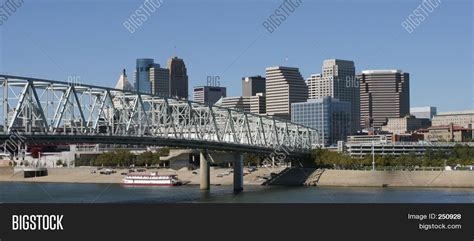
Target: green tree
x=165 y=151
x=252 y=159
x=123 y=158
x=145 y=159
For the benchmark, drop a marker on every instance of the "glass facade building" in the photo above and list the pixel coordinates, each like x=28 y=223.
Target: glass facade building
x=142 y=75
x=330 y=117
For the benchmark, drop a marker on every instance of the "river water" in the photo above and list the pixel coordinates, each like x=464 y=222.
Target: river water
x=14 y=192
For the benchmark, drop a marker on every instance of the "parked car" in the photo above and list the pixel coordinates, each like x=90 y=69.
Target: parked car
x=107 y=172
x=252 y=169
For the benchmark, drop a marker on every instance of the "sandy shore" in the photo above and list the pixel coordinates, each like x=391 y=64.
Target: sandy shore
x=87 y=175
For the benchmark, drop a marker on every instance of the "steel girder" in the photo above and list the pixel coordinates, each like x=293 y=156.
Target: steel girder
x=51 y=107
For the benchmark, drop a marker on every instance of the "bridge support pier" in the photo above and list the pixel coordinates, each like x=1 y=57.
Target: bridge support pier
x=204 y=171
x=238 y=172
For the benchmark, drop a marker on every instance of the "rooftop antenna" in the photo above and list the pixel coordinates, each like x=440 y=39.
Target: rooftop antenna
x=174 y=51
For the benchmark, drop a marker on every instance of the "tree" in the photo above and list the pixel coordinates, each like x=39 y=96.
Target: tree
x=252 y=159
x=165 y=151
x=59 y=162
x=145 y=159
x=123 y=158
x=324 y=157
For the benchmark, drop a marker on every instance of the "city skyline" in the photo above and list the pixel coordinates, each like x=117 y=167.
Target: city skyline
x=40 y=47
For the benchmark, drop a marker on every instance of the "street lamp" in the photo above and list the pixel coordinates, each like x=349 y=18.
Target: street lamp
x=373 y=156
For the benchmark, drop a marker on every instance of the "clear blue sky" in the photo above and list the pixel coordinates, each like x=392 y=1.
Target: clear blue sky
x=56 y=39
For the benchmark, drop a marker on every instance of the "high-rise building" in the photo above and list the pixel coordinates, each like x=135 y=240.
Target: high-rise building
x=252 y=104
x=423 y=112
x=241 y=103
x=142 y=75
x=208 y=94
x=331 y=117
x=258 y=104
x=314 y=86
x=338 y=80
x=284 y=86
x=178 y=77
x=383 y=94
x=122 y=83
x=253 y=85
x=159 y=80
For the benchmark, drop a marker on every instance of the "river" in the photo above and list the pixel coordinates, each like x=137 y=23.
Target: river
x=17 y=192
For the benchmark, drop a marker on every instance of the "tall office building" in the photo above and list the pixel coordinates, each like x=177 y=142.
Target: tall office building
x=338 y=80
x=208 y=94
x=178 y=77
x=142 y=75
x=314 y=86
x=258 y=104
x=383 y=94
x=160 y=81
x=331 y=117
x=253 y=85
x=241 y=103
x=122 y=83
x=423 y=112
x=284 y=86
x=253 y=104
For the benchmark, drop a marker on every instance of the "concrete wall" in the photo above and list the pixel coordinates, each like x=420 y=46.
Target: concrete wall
x=6 y=170
x=397 y=178
x=50 y=159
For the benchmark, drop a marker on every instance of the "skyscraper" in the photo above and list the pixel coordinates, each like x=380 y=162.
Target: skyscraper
x=338 y=80
x=258 y=104
x=284 y=86
x=314 y=86
x=208 y=94
x=160 y=81
x=331 y=117
x=383 y=94
x=178 y=78
x=122 y=83
x=241 y=103
x=253 y=85
x=142 y=75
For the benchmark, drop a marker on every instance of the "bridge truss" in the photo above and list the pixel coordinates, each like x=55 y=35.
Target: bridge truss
x=61 y=111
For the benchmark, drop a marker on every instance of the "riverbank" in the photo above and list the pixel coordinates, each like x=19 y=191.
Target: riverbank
x=355 y=178
x=219 y=176
x=222 y=176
